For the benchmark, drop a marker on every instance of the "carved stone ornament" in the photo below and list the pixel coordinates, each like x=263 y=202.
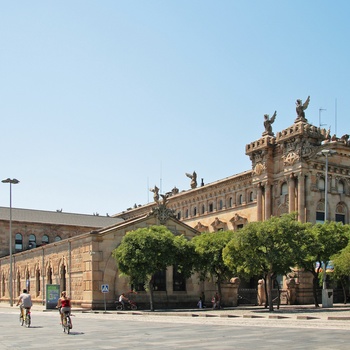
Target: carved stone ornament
x=291 y=158
x=259 y=169
x=163 y=213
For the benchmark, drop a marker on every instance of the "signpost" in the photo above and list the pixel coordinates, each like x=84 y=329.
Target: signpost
x=104 y=290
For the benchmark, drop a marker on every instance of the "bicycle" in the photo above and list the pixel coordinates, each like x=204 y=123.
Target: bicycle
x=26 y=320
x=66 y=322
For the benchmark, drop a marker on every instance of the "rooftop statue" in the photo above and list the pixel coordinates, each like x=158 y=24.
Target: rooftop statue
x=155 y=190
x=268 y=124
x=193 y=178
x=300 y=108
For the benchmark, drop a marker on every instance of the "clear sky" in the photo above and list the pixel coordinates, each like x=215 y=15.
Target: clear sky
x=101 y=100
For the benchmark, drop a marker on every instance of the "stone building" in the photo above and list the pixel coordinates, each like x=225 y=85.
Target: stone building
x=82 y=263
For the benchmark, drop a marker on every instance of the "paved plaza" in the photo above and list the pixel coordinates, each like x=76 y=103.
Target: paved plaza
x=236 y=328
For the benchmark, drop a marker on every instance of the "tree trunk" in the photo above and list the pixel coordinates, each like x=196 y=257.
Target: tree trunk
x=219 y=292
x=265 y=288
x=343 y=286
x=278 y=295
x=150 y=287
x=314 y=288
x=269 y=290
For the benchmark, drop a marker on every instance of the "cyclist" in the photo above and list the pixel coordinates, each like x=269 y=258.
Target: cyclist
x=123 y=299
x=25 y=302
x=63 y=305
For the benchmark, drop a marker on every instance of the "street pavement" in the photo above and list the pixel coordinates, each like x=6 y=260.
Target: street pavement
x=234 y=328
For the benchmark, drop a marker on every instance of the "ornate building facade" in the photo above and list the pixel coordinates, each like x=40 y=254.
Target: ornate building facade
x=297 y=170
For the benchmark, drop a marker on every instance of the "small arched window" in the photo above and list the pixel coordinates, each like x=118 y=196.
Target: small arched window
x=321 y=184
x=45 y=239
x=220 y=204
x=58 y=238
x=194 y=211
x=341 y=188
x=203 y=209
x=251 y=197
x=32 y=242
x=18 y=242
x=240 y=199
x=320 y=212
x=230 y=202
x=284 y=188
x=340 y=213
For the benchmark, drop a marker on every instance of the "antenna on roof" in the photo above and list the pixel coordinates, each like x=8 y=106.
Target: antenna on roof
x=147 y=190
x=335 y=128
x=319 y=116
x=160 y=182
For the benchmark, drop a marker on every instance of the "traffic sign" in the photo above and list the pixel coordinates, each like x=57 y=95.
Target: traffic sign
x=105 y=288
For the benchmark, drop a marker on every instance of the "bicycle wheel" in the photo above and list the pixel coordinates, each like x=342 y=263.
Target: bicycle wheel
x=68 y=323
x=28 y=321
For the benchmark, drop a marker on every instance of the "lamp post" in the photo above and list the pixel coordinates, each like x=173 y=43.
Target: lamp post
x=325 y=153
x=14 y=182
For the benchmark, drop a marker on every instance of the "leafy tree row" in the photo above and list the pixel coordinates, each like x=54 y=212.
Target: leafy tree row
x=265 y=249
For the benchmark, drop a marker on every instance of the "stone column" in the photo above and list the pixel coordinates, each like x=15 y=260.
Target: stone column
x=267 y=200
x=301 y=197
x=291 y=193
x=259 y=202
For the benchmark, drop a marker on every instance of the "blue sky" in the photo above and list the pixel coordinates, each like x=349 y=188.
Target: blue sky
x=101 y=100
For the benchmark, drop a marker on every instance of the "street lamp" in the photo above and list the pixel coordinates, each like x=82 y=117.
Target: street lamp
x=14 y=182
x=325 y=153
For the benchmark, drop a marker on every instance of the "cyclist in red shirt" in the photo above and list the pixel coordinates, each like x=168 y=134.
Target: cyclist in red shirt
x=64 y=305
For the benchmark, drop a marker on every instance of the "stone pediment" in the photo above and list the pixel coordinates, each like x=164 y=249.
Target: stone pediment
x=238 y=220
x=201 y=228
x=217 y=224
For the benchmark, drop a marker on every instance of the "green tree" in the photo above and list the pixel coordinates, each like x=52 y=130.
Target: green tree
x=265 y=248
x=341 y=272
x=145 y=251
x=321 y=242
x=208 y=247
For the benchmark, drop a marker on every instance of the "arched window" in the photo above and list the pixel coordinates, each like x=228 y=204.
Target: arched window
x=57 y=239
x=240 y=199
x=45 y=239
x=284 y=188
x=211 y=207
x=220 y=204
x=230 y=202
x=321 y=184
x=37 y=282
x=340 y=213
x=203 y=209
x=320 y=212
x=251 y=197
x=32 y=242
x=341 y=188
x=19 y=284
x=194 y=211
x=49 y=275
x=63 y=282
x=18 y=242
x=28 y=281
x=186 y=215
x=179 y=215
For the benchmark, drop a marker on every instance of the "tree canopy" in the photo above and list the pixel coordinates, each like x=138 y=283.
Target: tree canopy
x=265 y=248
x=208 y=247
x=146 y=251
